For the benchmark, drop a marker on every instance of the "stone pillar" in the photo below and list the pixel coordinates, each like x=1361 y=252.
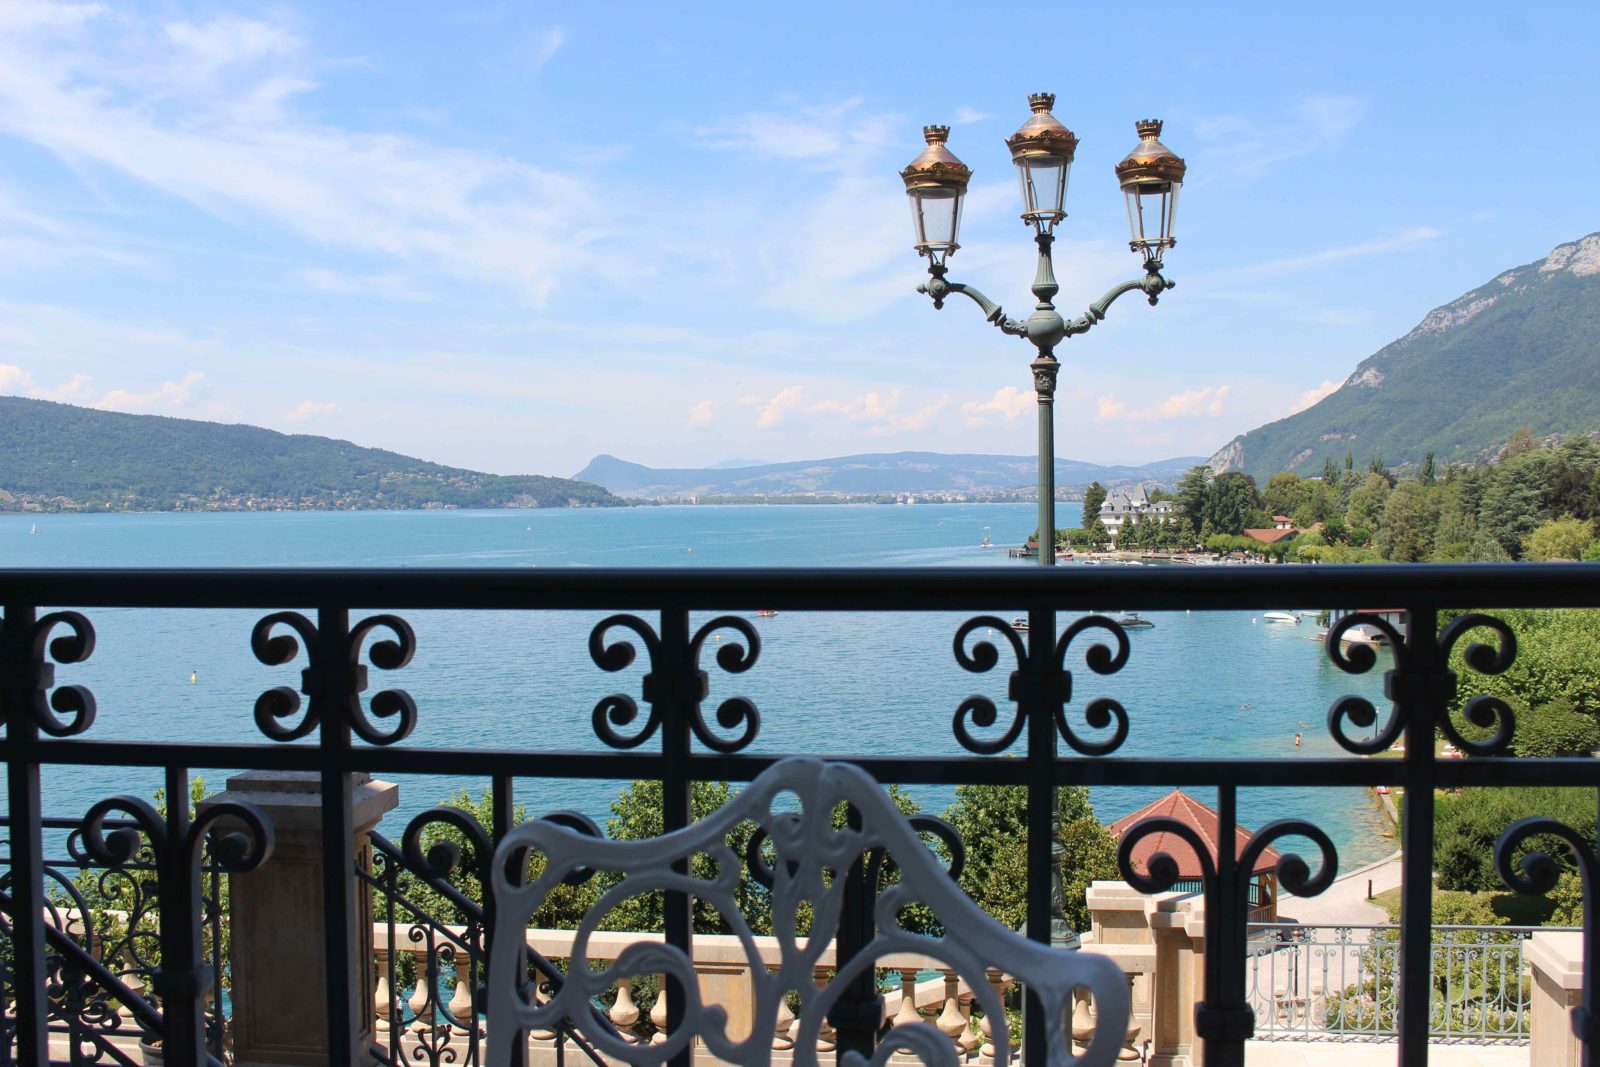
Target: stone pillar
x=1177 y=924
x=1556 y=959
x=279 y=991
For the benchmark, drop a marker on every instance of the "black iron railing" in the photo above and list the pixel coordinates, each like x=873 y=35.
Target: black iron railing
x=667 y=734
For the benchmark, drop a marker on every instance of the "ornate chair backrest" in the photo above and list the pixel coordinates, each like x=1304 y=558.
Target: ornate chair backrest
x=792 y=802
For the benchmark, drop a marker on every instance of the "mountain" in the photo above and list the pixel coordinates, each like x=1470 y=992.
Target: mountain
x=57 y=455
x=874 y=473
x=1521 y=350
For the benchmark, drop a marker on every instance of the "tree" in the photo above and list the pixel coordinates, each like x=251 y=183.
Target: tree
x=1330 y=472
x=1563 y=538
x=1466 y=827
x=1231 y=500
x=1367 y=502
x=1427 y=469
x=993 y=823
x=1285 y=492
x=1093 y=497
x=1409 y=519
x=1555 y=728
x=1193 y=490
x=1522 y=441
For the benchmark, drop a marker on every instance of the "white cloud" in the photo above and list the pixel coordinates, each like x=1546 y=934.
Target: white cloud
x=13 y=379
x=1108 y=407
x=198 y=112
x=818 y=133
x=1008 y=403
x=786 y=400
x=871 y=405
x=1311 y=396
x=165 y=397
x=701 y=414
x=385 y=286
x=1248 y=146
x=966 y=116
x=307 y=410
x=1203 y=402
x=547 y=44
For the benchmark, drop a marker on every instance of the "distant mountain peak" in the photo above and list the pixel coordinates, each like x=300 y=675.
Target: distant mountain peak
x=1523 y=349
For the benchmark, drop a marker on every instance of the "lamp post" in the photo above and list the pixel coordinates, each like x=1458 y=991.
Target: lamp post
x=1043 y=150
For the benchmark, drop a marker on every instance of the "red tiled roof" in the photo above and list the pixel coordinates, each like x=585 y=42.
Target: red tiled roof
x=1195 y=815
x=1280 y=518
x=1269 y=536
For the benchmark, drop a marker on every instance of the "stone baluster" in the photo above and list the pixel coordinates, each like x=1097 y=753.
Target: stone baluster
x=382 y=995
x=825 y=1033
x=422 y=998
x=951 y=1022
x=463 y=1019
x=540 y=1035
x=781 y=1041
x=658 y=1015
x=624 y=1012
x=986 y=1054
x=970 y=1037
x=907 y=1013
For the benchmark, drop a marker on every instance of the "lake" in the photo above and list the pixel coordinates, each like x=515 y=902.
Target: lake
x=1223 y=682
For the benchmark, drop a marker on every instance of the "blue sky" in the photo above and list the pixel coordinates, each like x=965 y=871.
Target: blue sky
x=510 y=236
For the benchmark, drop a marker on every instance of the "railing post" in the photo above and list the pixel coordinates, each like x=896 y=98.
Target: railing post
x=1042 y=828
x=22 y=675
x=1417 y=688
x=277 y=922
x=677 y=788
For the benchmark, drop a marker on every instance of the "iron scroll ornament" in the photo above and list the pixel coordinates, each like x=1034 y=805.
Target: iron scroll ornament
x=33 y=674
x=334 y=681
x=1408 y=681
x=674 y=676
x=1225 y=1014
x=1041 y=692
x=807 y=846
x=1535 y=874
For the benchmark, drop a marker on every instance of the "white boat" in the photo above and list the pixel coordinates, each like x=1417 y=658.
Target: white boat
x=1282 y=616
x=1020 y=624
x=986 y=543
x=1132 y=620
x=35 y=529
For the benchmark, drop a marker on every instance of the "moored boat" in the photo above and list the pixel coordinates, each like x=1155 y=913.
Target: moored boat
x=1282 y=616
x=1131 y=620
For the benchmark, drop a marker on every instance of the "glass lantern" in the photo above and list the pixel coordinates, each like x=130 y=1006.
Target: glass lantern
x=1042 y=151
x=1151 y=177
x=936 y=182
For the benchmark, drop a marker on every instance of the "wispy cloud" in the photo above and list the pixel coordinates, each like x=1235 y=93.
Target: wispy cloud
x=966 y=116
x=307 y=410
x=1314 y=394
x=200 y=112
x=1412 y=237
x=386 y=286
x=167 y=396
x=701 y=414
x=546 y=45
x=1203 y=402
x=1008 y=403
x=825 y=133
x=1248 y=146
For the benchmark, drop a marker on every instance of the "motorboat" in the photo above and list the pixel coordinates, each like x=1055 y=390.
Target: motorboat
x=1020 y=624
x=1132 y=620
x=766 y=613
x=1282 y=616
x=986 y=543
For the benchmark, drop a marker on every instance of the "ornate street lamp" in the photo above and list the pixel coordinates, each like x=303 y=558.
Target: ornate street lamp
x=1043 y=151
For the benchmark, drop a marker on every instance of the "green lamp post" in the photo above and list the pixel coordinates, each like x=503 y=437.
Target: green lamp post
x=1043 y=151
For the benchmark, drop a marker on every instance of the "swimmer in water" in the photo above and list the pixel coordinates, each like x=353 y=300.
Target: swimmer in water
x=194 y=676
x=1296 y=740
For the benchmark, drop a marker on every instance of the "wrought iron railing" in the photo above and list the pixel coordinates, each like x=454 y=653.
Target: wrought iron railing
x=1343 y=982
x=671 y=738
x=102 y=954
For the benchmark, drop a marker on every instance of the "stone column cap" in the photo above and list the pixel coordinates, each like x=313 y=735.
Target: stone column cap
x=1559 y=954
x=293 y=799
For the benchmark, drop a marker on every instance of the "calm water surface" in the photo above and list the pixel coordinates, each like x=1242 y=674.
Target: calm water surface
x=1216 y=683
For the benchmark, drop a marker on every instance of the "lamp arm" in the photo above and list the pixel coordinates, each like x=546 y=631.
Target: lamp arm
x=1153 y=284
x=938 y=288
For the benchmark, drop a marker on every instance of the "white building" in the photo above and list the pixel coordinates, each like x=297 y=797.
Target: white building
x=1132 y=505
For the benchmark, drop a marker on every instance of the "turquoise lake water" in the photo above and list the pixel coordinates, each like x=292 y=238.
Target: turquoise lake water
x=1216 y=682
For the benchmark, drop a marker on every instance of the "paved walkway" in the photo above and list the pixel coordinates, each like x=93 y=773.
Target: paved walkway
x=1345 y=901
x=1361 y=1054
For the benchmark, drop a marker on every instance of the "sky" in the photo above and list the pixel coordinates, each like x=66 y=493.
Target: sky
x=511 y=236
